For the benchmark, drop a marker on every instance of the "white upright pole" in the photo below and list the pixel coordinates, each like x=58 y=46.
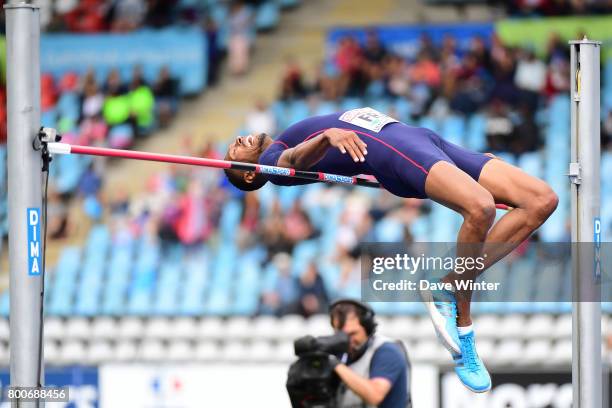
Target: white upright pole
x=586 y=228
x=24 y=193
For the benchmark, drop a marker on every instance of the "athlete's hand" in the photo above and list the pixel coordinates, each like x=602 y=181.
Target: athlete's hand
x=347 y=142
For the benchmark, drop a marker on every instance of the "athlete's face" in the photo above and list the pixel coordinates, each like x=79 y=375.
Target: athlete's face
x=246 y=148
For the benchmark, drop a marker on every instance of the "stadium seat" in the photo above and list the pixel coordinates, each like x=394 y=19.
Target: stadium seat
x=267 y=16
x=562 y=327
x=290 y=327
x=453 y=129
x=319 y=325
x=157 y=328
x=99 y=351
x=103 y=328
x=125 y=350
x=211 y=328
x=284 y=352
x=508 y=352
x=180 y=350
x=429 y=352
x=183 y=328
x=77 y=328
x=4 y=330
x=51 y=352
x=536 y=352
x=55 y=328
x=207 y=351
x=265 y=327
x=260 y=351
x=152 y=350
x=234 y=351
x=239 y=328
x=130 y=328
x=72 y=352
x=561 y=353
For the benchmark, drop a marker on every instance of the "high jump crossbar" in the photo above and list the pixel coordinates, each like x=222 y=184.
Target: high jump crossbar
x=64 y=148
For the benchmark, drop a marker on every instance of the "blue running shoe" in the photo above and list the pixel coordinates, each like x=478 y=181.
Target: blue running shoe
x=469 y=367
x=442 y=308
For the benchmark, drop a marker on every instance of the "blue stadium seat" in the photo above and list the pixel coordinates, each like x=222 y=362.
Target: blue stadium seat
x=389 y=230
x=453 y=129
x=325 y=108
x=304 y=253
x=476 y=137
x=68 y=106
x=297 y=111
x=351 y=103
x=288 y=3
x=218 y=303
x=88 y=300
x=267 y=16
x=5 y=304
x=403 y=108
x=532 y=163
x=429 y=123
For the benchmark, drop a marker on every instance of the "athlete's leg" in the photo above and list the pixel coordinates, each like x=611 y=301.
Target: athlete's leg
x=453 y=188
x=533 y=201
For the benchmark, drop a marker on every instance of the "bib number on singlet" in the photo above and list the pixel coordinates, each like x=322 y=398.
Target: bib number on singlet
x=367 y=118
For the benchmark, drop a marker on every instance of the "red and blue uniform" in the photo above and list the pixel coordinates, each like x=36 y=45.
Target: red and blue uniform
x=399 y=155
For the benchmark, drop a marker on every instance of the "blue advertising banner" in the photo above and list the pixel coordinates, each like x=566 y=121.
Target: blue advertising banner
x=183 y=50
x=404 y=40
x=82 y=383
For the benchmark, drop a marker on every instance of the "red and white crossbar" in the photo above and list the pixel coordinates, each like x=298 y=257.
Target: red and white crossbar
x=64 y=148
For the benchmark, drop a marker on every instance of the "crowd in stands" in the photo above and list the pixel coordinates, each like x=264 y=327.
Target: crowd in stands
x=530 y=8
x=508 y=83
x=183 y=206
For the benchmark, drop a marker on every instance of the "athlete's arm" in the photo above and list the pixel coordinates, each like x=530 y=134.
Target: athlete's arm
x=310 y=152
x=371 y=390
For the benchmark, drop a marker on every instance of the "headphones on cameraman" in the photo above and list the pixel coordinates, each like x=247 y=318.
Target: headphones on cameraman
x=366 y=313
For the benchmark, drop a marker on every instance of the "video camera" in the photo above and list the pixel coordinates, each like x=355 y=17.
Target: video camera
x=312 y=382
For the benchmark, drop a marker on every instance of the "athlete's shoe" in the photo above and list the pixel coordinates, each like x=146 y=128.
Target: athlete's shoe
x=469 y=367
x=442 y=308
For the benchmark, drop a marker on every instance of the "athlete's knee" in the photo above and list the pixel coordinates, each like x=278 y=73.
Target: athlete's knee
x=480 y=211
x=542 y=205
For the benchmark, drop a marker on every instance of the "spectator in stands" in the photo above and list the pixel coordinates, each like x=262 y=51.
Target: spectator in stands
x=499 y=127
x=212 y=49
x=397 y=80
x=530 y=78
x=526 y=136
x=272 y=232
x=127 y=15
x=349 y=60
x=292 y=82
x=89 y=16
x=425 y=71
x=374 y=53
x=92 y=99
x=557 y=77
x=58 y=214
x=260 y=119
x=142 y=102
x=159 y=13
x=49 y=92
x=312 y=295
x=606 y=131
x=166 y=94
x=282 y=296
x=240 y=29
x=297 y=225
x=504 y=87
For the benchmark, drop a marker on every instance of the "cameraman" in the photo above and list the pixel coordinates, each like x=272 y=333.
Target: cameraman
x=376 y=372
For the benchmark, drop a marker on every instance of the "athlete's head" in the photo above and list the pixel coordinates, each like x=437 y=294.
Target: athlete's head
x=247 y=149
